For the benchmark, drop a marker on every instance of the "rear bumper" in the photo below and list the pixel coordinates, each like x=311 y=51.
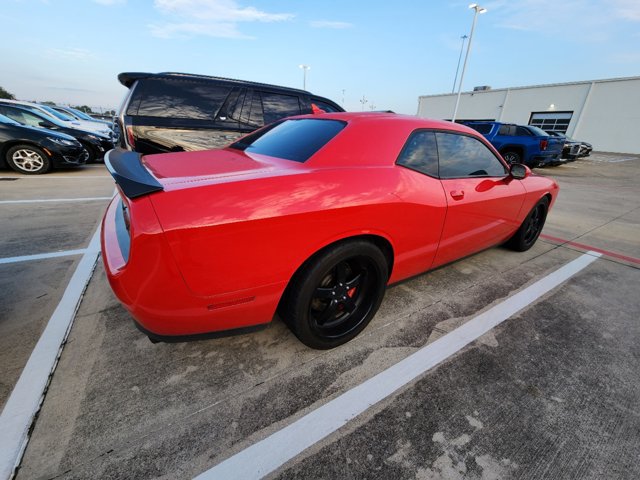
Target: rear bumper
x=150 y=285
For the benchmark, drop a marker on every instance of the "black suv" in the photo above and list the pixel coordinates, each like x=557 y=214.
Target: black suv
x=169 y=112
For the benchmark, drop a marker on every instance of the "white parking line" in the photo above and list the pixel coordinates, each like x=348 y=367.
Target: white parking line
x=42 y=256
x=43 y=200
x=269 y=454
x=27 y=395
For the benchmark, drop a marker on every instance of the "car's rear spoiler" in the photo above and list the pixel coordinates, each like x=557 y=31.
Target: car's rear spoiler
x=131 y=176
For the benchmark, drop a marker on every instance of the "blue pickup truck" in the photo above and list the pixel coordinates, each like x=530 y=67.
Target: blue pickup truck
x=521 y=143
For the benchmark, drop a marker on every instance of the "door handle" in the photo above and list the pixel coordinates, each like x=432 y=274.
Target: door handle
x=457 y=194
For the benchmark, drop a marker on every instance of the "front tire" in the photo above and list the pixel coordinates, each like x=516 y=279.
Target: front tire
x=28 y=159
x=531 y=227
x=335 y=296
x=92 y=153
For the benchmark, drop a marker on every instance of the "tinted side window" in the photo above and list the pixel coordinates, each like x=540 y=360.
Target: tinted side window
x=277 y=106
x=420 y=153
x=179 y=98
x=463 y=156
x=504 y=130
x=523 y=132
x=328 y=108
x=295 y=140
x=232 y=107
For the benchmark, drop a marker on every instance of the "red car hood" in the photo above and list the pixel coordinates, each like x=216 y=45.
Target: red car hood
x=202 y=166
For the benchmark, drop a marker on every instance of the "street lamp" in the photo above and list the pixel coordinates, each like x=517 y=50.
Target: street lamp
x=363 y=100
x=463 y=37
x=478 y=9
x=304 y=75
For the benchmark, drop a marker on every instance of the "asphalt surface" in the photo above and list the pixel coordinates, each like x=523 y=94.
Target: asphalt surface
x=552 y=392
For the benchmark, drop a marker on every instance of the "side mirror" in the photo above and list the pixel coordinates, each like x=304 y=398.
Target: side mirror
x=519 y=171
x=45 y=124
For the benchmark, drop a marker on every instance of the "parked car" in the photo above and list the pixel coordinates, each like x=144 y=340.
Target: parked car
x=79 y=114
x=525 y=144
x=167 y=112
x=96 y=145
x=60 y=117
x=312 y=215
x=570 y=148
x=573 y=148
x=33 y=151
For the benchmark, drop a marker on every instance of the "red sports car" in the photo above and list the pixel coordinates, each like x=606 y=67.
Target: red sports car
x=313 y=217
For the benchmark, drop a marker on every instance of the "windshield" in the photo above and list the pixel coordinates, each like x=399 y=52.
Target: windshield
x=81 y=114
x=30 y=116
x=57 y=114
x=7 y=120
x=295 y=140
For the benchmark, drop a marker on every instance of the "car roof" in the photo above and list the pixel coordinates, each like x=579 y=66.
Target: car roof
x=129 y=78
x=411 y=121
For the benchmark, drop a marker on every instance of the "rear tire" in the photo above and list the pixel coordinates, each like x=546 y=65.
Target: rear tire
x=335 y=295
x=511 y=157
x=28 y=159
x=526 y=236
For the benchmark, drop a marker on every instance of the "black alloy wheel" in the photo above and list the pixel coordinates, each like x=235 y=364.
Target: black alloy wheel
x=334 y=297
x=526 y=236
x=512 y=157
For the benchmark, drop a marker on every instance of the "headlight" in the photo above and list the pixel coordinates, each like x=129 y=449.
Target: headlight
x=63 y=141
x=97 y=137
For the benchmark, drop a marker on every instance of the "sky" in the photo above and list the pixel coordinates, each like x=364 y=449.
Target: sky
x=385 y=52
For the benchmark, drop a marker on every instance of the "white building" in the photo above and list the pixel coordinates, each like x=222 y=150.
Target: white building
x=605 y=113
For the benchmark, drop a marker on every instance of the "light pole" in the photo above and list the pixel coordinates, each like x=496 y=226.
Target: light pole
x=363 y=101
x=304 y=75
x=463 y=37
x=478 y=9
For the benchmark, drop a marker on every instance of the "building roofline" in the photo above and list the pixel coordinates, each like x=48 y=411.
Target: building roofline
x=583 y=82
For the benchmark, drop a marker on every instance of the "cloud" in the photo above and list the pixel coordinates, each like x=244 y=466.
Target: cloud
x=327 y=24
x=109 y=3
x=186 y=30
x=627 y=9
x=581 y=20
x=214 y=18
x=77 y=54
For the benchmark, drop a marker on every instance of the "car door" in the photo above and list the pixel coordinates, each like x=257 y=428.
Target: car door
x=424 y=201
x=483 y=200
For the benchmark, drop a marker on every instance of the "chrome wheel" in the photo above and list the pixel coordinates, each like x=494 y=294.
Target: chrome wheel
x=28 y=160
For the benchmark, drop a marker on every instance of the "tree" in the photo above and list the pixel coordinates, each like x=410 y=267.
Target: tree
x=84 y=109
x=48 y=102
x=5 y=94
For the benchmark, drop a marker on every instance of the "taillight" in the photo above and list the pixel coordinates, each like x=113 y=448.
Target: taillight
x=130 y=138
x=544 y=144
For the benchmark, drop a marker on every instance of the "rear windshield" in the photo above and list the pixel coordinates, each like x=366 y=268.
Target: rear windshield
x=482 y=128
x=537 y=131
x=295 y=140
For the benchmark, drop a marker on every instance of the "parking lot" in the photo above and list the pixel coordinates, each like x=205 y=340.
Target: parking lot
x=550 y=392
